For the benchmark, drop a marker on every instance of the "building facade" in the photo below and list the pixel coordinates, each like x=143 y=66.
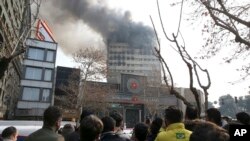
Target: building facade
x=129 y=60
x=14 y=22
x=67 y=91
x=37 y=84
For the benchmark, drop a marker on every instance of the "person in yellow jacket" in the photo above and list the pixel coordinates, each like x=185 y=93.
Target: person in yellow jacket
x=175 y=129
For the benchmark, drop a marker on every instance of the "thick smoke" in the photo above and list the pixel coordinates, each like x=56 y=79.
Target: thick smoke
x=112 y=25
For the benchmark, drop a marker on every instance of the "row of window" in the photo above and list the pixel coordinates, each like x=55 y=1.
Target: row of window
x=35 y=73
x=131 y=58
x=36 y=94
x=136 y=71
x=41 y=54
x=130 y=52
x=129 y=65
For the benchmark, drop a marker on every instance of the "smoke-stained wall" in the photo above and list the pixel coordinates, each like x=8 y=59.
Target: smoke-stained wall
x=112 y=24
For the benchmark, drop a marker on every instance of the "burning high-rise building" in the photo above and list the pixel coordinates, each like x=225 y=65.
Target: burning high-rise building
x=123 y=59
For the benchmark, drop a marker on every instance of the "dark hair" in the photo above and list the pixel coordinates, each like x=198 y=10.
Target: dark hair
x=7 y=132
x=91 y=126
x=67 y=129
x=243 y=117
x=155 y=128
x=117 y=117
x=141 y=131
x=156 y=125
x=108 y=124
x=208 y=131
x=173 y=115
x=191 y=112
x=51 y=115
x=86 y=112
x=214 y=116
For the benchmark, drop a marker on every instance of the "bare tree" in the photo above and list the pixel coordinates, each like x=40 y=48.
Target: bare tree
x=97 y=96
x=187 y=59
x=226 y=26
x=152 y=105
x=92 y=63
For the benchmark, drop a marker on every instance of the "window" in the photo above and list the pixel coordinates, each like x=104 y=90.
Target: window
x=33 y=73
x=31 y=94
x=48 y=74
x=50 y=56
x=36 y=54
x=46 y=95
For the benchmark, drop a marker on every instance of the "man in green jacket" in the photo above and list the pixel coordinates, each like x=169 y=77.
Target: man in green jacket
x=175 y=130
x=52 y=118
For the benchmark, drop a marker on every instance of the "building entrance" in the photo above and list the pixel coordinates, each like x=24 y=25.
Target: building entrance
x=132 y=117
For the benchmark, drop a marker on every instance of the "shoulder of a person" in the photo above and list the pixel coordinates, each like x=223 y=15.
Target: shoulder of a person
x=75 y=136
x=162 y=134
x=119 y=138
x=60 y=138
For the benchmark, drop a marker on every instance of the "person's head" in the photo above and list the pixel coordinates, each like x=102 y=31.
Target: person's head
x=156 y=125
x=140 y=132
x=208 y=131
x=86 y=112
x=52 y=117
x=213 y=115
x=243 y=117
x=90 y=128
x=191 y=113
x=173 y=115
x=67 y=129
x=10 y=133
x=117 y=117
x=108 y=124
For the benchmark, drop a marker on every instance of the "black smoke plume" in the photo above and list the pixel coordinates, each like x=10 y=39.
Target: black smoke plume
x=113 y=25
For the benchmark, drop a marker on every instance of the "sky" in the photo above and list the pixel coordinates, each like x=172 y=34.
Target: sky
x=81 y=34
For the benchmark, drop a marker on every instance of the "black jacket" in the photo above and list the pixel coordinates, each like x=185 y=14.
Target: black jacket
x=111 y=136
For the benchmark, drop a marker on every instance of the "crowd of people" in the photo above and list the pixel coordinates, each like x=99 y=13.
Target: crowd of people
x=172 y=127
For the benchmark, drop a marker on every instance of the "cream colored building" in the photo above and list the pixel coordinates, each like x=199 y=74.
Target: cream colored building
x=15 y=18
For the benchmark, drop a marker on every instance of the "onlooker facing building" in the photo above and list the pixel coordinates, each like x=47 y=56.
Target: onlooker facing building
x=243 y=118
x=154 y=129
x=51 y=123
x=108 y=133
x=91 y=128
x=190 y=117
x=67 y=130
x=214 y=115
x=140 y=132
x=9 y=134
x=75 y=136
x=118 y=124
x=191 y=113
x=175 y=128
